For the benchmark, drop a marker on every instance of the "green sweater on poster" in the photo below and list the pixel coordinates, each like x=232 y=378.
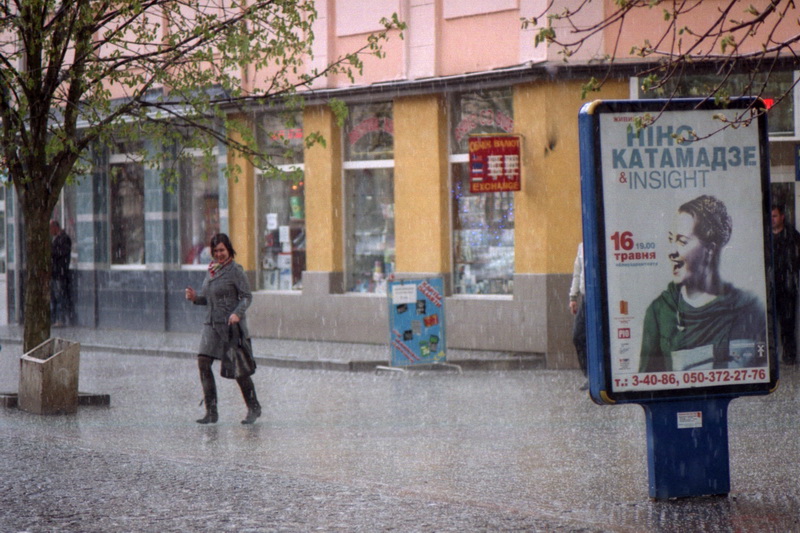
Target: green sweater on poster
x=678 y=336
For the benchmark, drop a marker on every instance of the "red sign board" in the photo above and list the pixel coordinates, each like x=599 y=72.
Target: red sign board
x=494 y=163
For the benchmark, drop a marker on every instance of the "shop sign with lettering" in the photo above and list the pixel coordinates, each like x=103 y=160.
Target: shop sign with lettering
x=494 y=164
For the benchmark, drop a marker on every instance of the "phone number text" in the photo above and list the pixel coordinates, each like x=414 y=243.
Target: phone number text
x=679 y=380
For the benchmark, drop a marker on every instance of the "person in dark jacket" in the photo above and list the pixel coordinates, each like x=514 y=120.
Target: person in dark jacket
x=226 y=292
x=701 y=322
x=786 y=261
x=61 y=251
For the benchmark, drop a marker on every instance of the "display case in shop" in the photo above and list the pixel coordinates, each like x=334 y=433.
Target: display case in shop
x=373 y=261
x=370 y=226
x=284 y=250
x=484 y=245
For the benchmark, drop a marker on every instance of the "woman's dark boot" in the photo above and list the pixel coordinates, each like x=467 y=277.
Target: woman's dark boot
x=211 y=412
x=250 y=398
x=209 y=390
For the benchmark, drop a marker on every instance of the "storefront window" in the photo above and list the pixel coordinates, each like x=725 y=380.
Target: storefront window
x=369 y=133
x=126 y=192
x=2 y=228
x=480 y=112
x=370 y=193
x=369 y=189
x=778 y=84
x=65 y=212
x=784 y=171
x=281 y=204
x=483 y=240
x=199 y=209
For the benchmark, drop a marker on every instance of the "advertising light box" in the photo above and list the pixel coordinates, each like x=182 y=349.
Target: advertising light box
x=676 y=223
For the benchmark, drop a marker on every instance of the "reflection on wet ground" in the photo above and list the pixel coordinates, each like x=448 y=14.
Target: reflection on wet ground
x=520 y=449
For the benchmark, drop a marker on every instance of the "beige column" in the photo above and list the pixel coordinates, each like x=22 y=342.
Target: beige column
x=323 y=190
x=421 y=191
x=547 y=226
x=241 y=205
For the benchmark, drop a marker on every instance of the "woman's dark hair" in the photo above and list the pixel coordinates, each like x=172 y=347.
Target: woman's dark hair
x=712 y=224
x=221 y=238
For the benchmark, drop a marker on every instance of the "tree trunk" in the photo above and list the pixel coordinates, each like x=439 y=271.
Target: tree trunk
x=37 y=273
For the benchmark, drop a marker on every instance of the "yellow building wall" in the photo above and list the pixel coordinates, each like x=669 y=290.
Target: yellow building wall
x=241 y=206
x=421 y=190
x=323 y=192
x=547 y=226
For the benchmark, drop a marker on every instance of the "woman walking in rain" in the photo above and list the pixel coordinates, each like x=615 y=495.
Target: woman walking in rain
x=226 y=292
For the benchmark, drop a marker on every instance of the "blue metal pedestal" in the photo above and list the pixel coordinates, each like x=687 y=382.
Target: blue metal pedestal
x=687 y=447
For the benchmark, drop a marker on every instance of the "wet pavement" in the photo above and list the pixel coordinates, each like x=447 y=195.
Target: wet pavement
x=283 y=353
x=365 y=451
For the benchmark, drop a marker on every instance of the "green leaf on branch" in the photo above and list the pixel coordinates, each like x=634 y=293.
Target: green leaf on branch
x=728 y=41
x=593 y=85
x=544 y=35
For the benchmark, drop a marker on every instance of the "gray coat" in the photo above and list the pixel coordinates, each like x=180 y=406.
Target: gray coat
x=226 y=293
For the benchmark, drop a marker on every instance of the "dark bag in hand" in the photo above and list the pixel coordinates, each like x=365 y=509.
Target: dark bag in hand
x=238 y=361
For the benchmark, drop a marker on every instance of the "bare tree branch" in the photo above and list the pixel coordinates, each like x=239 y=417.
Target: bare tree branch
x=732 y=39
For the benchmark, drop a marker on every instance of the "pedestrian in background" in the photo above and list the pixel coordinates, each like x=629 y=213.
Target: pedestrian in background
x=577 y=306
x=226 y=292
x=786 y=261
x=61 y=252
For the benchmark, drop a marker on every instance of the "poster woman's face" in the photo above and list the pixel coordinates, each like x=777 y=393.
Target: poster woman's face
x=688 y=254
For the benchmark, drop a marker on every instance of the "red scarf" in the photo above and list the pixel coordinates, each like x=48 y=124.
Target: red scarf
x=214 y=267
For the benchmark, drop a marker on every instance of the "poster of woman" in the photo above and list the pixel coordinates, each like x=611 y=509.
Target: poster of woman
x=700 y=321
x=682 y=234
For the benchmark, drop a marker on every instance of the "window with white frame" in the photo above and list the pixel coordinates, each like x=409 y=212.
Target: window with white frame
x=280 y=203
x=198 y=192
x=483 y=223
x=66 y=214
x=369 y=197
x=126 y=199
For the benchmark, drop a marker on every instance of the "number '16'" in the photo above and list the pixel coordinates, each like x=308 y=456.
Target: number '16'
x=623 y=241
